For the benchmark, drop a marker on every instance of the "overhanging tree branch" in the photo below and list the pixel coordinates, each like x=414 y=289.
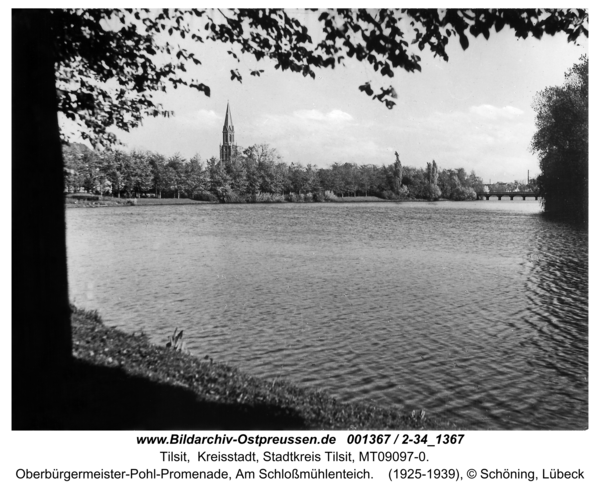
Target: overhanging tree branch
x=127 y=48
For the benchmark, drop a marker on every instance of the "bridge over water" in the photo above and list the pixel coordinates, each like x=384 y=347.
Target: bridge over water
x=501 y=194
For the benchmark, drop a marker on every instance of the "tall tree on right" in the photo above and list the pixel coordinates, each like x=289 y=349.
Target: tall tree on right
x=561 y=142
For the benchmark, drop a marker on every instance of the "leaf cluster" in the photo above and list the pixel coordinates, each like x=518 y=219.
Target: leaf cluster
x=111 y=62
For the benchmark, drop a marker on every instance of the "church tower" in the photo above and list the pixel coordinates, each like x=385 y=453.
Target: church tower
x=228 y=149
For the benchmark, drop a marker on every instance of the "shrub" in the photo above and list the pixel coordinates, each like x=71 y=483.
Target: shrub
x=293 y=198
x=462 y=193
x=231 y=196
x=431 y=192
x=266 y=198
x=205 y=196
x=227 y=195
x=403 y=192
x=387 y=194
x=83 y=196
x=331 y=196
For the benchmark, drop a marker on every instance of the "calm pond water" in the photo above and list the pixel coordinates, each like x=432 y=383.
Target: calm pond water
x=474 y=311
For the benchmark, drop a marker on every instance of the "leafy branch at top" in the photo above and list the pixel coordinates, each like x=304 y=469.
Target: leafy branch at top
x=110 y=63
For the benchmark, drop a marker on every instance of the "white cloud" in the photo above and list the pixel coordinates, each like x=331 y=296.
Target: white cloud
x=205 y=117
x=478 y=137
x=337 y=115
x=202 y=118
x=491 y=112
x=317 y=137
x=334 y=115
x=308 y=125
x=493 y=141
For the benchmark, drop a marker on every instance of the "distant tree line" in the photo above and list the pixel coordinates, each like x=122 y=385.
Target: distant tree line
x=256 y=174
x=511 y=187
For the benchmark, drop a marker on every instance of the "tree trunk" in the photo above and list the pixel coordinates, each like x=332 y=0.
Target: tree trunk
x=41 y=327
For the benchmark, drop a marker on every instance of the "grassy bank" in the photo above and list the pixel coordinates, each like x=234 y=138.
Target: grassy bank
x=92 y=201
x=358 y=199
x=121 y=381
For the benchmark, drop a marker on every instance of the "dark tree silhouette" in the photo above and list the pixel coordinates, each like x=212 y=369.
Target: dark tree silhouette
x=561 y=142
x=41 y=333
x=62 y=61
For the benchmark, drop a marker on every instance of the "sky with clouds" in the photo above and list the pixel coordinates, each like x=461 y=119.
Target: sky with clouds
x=474 y=111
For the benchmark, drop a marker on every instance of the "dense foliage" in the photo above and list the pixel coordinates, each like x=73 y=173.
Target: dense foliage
x=511 y=187
x=561 y=142
x=257 y=174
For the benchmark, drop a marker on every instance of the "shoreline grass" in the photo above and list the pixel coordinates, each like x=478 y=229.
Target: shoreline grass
x=74 y=202
x=118 y=202
x=210 y=395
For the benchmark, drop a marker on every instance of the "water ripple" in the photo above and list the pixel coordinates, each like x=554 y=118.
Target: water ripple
x=474 y=311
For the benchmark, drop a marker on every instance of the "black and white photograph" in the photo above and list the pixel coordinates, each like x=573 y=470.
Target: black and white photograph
x=300 y=219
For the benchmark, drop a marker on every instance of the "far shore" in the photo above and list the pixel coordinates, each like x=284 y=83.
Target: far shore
x=100 y=202
x=103 y=202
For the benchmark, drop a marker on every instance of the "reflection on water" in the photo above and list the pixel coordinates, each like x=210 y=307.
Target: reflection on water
x=474 y=311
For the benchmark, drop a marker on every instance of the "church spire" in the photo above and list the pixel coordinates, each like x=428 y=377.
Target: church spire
x=228 y=119
x=227 y=149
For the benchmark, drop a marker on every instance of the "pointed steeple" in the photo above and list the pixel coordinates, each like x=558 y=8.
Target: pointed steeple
x=228 y=125
x=227 y=149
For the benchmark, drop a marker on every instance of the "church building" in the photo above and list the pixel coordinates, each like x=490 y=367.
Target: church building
x=228 y=149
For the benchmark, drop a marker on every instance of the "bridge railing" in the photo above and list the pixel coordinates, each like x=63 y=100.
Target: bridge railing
x=512 y=194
